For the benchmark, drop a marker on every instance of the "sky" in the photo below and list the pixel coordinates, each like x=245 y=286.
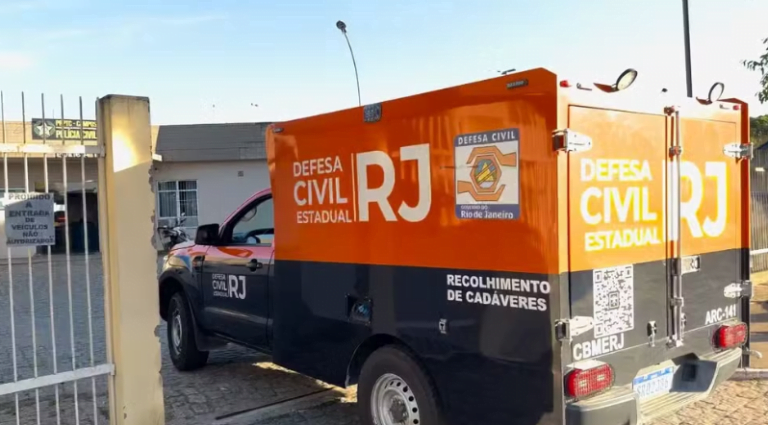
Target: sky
x=256 y=60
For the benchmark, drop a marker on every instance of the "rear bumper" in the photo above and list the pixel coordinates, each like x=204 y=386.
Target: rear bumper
x=620 y=405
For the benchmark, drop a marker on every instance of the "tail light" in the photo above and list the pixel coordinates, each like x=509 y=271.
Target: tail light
x=731 y=335
x=581 y=383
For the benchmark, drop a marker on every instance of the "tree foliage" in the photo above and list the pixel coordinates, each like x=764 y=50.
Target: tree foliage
x=759 y=129
x=760 y=65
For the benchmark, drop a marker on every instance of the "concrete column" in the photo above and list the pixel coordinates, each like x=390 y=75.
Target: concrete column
x=126 y=210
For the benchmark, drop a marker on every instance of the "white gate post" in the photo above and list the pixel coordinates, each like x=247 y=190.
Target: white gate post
x=126 y=208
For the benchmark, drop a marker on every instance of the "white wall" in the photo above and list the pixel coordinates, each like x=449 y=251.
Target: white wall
x=219 y=188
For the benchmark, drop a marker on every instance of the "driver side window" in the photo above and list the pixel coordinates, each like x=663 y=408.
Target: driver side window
x=256 y=226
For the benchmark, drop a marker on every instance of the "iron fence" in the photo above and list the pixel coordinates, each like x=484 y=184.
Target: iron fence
x=759 y=211
x=55 y=365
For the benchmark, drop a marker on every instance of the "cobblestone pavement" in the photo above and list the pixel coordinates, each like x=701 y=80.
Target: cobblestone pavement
x=735 y=403
x=18 y=328
x=234 y=380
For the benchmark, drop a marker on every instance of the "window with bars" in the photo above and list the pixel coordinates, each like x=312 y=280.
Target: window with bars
x=174 y=199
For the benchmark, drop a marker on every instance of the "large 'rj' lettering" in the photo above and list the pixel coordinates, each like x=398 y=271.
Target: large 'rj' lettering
x=380 y=195
x=236 y=286
x=689 y=208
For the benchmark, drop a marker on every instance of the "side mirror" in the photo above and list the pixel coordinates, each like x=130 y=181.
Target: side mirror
x=207 y=235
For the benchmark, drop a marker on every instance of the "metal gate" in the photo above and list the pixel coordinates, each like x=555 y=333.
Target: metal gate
x=55 y=363
x=759 y=210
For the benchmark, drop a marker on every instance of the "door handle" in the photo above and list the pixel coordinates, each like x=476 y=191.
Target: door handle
x=254 y=265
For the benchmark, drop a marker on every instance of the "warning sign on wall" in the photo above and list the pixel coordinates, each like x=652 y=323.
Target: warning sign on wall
x=29 y=219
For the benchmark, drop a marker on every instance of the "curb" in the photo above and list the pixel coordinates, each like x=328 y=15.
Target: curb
x=281 y=408
x=749 y=374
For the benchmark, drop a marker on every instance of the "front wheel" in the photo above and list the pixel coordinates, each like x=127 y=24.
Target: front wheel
x=394 y=390
x=181 y=336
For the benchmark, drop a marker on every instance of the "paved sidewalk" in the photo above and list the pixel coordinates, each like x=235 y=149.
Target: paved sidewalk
x=735 y=403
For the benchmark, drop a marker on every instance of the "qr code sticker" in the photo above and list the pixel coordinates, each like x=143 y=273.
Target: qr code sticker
x=614 y=300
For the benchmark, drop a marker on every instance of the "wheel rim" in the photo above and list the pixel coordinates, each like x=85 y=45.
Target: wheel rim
x=176 y=328
x=393 y=402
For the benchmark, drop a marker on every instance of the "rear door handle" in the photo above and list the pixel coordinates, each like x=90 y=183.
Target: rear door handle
x=254 y=265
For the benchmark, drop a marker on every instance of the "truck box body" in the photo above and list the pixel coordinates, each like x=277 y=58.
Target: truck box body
x=505 y=252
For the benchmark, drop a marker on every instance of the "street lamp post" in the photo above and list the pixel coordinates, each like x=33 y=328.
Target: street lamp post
x=343 y=28
x=687 y=30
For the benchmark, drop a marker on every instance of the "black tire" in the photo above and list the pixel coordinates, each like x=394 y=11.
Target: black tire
x=417 y=385
x=185 y=355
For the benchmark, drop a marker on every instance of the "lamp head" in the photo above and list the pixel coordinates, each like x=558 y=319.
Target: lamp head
x=626 y=79
x=715 y=92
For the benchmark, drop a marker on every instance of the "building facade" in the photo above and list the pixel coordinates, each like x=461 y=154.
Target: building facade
x=203 y=172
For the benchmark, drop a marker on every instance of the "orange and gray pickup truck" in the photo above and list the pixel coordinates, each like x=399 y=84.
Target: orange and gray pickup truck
x=519 y=250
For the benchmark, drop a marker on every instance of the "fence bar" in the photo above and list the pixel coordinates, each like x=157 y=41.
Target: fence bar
x=50 y=276
x=87 y=266
x=55 y=379
x=49 y=149
x=29 y=262
x=69 y=272
x=10 y=273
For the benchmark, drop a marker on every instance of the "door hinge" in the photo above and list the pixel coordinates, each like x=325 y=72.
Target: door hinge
x=566 y=329
x=570 y=141
x=675 y=151
x=742 y=289
x=563 y=330
x=739 y=151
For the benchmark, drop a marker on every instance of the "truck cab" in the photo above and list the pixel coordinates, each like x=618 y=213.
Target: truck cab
x=224 y=280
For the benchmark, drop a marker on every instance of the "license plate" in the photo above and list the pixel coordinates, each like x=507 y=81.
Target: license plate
x=654 y=383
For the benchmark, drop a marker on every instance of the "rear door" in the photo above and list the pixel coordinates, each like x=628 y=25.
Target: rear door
x=617 y=238
x=654 y=237
x=710 y=223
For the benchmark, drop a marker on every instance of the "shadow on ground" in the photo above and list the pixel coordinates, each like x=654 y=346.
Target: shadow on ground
x=234 y=380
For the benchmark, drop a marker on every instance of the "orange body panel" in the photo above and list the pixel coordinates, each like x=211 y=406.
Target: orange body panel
x=326 y=170
x=437 y=237
x=615 y=190
x=620 y=194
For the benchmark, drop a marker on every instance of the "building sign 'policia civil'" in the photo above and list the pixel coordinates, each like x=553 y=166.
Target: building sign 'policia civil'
x=58 y=129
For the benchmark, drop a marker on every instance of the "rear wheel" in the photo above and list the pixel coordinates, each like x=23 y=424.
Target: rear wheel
x=394 y=390
x=181 y=336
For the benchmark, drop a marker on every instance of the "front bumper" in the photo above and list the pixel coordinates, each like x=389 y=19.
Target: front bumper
x=620 y=405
